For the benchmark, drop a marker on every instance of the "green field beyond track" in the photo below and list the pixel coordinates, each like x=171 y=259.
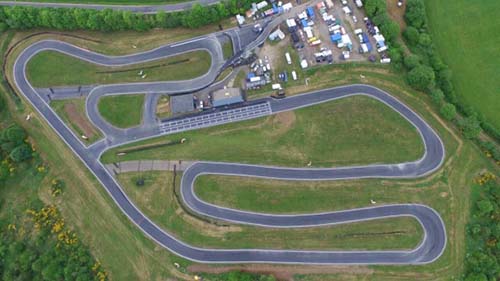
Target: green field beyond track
x=466 y=35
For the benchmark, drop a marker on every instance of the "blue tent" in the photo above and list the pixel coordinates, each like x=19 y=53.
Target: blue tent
x=310 y=12
x=336 y=37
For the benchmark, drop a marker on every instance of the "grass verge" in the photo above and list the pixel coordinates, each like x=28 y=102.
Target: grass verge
x=123 y=111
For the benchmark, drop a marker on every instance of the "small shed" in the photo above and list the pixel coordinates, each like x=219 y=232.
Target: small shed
x=181 y=103
x=226 y=97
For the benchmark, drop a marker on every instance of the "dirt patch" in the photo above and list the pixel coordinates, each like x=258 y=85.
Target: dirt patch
x=275 y=52
x=282 y=272
x=397 y=13
x=79 y=120
x=282 y=122
x=207 y=228
x=163 y=107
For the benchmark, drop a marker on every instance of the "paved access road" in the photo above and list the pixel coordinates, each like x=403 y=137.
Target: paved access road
x=146 y=9
x=431 y=247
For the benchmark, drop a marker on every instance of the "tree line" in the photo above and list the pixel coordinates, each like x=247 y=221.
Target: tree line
x=26 y=17
x=427 y=72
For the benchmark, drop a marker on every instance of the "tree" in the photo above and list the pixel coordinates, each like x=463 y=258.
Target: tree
x=415 y=13
x=411 y=35
x=470 y=127
x=444 y=82
x=21 y=153
x=373 y=7
x=421 y=77
x=4 y=172
x=485 y=207
x=390 y=29
x=437 y=95
x=381 y=18
x=448 y=111
x=14 y=134
x=161 y=18
x=196 y=17
x=476 y=277
x=395 y=55
x=424 y=40
x=411 y=61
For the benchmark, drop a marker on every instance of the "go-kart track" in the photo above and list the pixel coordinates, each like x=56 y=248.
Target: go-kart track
x=430 y=248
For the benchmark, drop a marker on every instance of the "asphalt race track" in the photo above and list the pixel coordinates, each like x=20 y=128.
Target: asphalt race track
x=431 y=247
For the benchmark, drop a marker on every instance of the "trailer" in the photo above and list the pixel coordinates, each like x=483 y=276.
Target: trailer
x=329 y=4
x=262 y=5
x=308 y=31
x=288 y=58
x=255 y=79
x=316 y=43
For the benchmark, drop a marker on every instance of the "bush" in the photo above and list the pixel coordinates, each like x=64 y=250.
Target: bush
x=374 y=7
x=425 y=41
x=437 y=96
x=448 y=111
x=411 y=61
x=415 y=13
x=390 y=29
x=421 y=77
x=2 y=103
x=411 y=35
x=444 y=82
x=381 y=18
x=13 y=134
x=470 y=127
x=491 y=130
x=21 y=153
x=396 y=56
x=491 y=148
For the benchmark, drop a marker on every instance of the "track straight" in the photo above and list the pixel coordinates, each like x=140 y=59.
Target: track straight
x=431 y=247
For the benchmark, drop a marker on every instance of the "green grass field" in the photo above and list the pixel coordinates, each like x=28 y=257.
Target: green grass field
x=357 y=130
x=157 y=200
x=464 y=33
x=50 y=69
x=122 y=111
